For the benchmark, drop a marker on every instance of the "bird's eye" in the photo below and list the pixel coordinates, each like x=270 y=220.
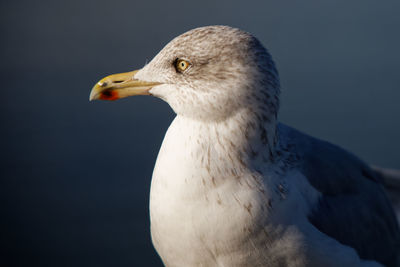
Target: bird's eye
x=181 y=65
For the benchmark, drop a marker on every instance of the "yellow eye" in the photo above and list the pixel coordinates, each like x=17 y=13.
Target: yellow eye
x=181 y=65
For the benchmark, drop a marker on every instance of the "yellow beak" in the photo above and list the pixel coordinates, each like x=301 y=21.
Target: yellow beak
x=120 y=85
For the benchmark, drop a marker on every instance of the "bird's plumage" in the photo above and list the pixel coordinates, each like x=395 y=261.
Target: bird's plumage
x=353 y=207
x=233 y=187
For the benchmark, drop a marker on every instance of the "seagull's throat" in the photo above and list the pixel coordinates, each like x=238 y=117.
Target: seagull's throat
x=203 y=156
x=243 y=139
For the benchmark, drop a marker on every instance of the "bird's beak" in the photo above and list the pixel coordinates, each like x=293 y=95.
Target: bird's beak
x=120 y=85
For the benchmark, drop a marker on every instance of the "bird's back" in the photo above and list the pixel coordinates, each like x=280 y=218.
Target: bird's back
x=354 y=208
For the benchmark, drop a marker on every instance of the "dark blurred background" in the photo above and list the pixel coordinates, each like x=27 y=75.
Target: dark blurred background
x=75 y=176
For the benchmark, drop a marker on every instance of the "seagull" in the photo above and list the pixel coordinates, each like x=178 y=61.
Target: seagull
x=234 y=187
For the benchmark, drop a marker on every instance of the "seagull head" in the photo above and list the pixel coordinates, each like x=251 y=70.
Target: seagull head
x=208 y=73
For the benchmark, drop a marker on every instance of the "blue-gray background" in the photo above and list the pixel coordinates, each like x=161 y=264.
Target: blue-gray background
x=75 y=176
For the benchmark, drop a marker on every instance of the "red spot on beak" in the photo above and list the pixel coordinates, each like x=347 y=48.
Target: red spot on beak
x=109 y=95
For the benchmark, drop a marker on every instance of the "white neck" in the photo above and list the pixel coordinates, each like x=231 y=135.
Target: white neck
x=243 y=138
x=199 y=156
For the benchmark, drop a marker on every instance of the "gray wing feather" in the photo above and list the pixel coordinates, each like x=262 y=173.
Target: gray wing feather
x=354 y=208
